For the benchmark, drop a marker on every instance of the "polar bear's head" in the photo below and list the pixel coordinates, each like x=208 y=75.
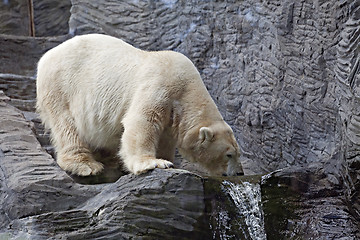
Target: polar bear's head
x=215 y=148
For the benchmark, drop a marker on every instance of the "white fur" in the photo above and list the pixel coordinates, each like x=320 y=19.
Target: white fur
x=96 y=91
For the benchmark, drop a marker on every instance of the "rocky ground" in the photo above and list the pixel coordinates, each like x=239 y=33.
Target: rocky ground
x=284 y=74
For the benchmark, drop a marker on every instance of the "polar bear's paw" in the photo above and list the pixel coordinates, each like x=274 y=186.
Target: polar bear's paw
x=81 y=164
x=146 y=165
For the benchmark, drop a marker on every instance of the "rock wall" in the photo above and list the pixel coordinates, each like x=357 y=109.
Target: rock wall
x=268 y=65
x=48 y=18
x=51 y=17
x=14 y=17
x=347 y=76
x=19 y=54
x=285 y=75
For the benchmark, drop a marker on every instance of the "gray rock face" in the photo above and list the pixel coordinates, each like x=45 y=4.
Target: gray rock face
x=303 y=203
x=19 y=55
x=14 y=17
x=51 y=17
x=47 y=18
x=285 y=75
x=269 y=66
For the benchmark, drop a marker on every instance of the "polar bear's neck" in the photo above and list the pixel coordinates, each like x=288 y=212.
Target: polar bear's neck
x=195 y=109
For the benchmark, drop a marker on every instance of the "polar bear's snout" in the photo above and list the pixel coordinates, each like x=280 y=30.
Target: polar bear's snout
x=234 y=168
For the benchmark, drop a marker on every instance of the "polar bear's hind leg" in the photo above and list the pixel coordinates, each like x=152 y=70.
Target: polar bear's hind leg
x=79 y=161
x=73 y=155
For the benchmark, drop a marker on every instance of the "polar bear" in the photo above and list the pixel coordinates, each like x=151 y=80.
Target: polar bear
x=98 y=92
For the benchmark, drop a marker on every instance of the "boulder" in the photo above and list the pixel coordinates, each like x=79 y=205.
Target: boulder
x=304 y=203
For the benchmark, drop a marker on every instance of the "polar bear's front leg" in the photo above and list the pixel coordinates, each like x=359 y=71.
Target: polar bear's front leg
x=139 y=142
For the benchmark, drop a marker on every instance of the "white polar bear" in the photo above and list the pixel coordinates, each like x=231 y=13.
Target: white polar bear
x=98 y=92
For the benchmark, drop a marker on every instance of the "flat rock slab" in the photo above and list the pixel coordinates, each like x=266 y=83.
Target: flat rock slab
x=161 y=204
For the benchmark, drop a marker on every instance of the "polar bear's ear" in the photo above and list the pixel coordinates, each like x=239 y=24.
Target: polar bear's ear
x=205 y=133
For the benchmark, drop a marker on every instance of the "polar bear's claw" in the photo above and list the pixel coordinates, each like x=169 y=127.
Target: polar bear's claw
x=88 y=168
x=80 y=164
x=150 y=164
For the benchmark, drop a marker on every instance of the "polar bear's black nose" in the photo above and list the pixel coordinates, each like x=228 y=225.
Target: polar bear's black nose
x=236 y=174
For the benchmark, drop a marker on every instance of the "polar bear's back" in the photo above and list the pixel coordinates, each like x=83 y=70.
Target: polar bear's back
x=93 y=53
x=94 y=57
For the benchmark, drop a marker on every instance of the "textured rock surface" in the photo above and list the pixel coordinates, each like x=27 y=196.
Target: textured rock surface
x=303 y=203
x=21 y=90
x=269 y=66
x=285 y=75
x=30 y=180
x=14 y=17
x=19 y=55
x=347 y=70
x=50 y=17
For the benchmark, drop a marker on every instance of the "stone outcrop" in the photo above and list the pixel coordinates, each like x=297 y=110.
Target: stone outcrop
x=303 y=203
x=284 y=74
